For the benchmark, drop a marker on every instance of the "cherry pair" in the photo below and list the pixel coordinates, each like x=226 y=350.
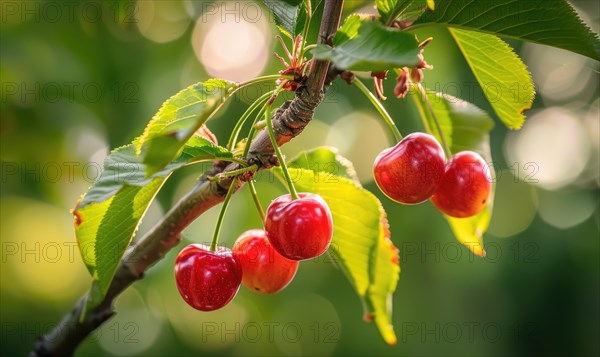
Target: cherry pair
x=415 y=169
x=265 y=261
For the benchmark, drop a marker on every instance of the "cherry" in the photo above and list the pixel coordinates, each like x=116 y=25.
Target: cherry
x=264 y=270
x=299 y=229
x=207 y=280
x=465 y=187
x=410 y=171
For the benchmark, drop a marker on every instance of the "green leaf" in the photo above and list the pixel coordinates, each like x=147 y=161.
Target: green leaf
x=289 y=15
x=107 y=216
x=547 y=22
x=361 y=246
x=403 y=10
x=374 y=48
x=505 y=80
x=177 y=120
x=465 y=127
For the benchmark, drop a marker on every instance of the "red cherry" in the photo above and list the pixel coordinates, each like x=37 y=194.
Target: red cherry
x=411 y=171
x=264 y=270
x=299 y=229
x=207 y=280
x=466 y=186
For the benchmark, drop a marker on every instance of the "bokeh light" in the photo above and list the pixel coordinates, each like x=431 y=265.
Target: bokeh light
x=313 y=332
x=205 y=330
x=560 y=75
x=162 y=21
x=551 y=150
x=232 y=47
x=566 y=208
x=131 y=332
x=348 y=134
x=40 y=258
x=510 y=218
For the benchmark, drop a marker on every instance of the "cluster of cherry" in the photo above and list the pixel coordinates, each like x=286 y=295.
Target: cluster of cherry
x=265 y=261
x=415 y=169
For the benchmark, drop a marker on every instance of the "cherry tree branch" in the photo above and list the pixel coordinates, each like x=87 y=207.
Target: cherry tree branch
x=288 y=122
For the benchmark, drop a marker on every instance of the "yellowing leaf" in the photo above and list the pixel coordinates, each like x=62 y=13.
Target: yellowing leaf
x=469 y=231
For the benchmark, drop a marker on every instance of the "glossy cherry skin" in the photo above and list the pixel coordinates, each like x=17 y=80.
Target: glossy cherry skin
x=299 y=229
x=466 y=186
x=207 y=280
x=412 y=170
x=263 y=269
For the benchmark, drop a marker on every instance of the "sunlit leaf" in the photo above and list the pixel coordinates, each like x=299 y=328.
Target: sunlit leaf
x=505 y=80
x=177 y=120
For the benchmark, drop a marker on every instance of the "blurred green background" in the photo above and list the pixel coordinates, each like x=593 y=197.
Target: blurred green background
x=79 y=78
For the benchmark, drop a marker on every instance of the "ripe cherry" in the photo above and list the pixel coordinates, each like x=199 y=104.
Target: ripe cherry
x=263 y=269
x=299 y=229
x=465 y=187
x=411 y=171
x=207 y=280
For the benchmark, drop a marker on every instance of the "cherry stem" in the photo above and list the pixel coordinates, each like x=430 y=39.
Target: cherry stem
x=438 y=127
x=254 y=195
x=238 y=126
x=213 y=244
x=230 y=159
x=271 y=77
x=284 y=168
x=310 y=47
x=257 y=120
x=306 y=27
x=380 y=108
x=308 y=7
x=241 y=85
x=252 y=131
x=260 y=124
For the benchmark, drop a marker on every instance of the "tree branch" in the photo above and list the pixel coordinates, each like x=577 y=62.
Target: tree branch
x=288 y=122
